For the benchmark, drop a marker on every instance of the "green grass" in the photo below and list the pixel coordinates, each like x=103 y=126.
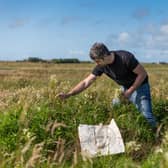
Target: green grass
x=39 y=130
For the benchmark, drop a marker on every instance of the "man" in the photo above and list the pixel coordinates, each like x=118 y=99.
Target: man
x=122 y=67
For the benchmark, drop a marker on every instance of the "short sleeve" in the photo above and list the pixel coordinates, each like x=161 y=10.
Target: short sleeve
x=132 y=62
x=97 y=71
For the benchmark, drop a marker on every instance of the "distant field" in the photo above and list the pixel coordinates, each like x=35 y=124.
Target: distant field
x=40 y=73
x=14 y=74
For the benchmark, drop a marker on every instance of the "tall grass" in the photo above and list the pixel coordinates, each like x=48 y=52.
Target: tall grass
x=39 y=130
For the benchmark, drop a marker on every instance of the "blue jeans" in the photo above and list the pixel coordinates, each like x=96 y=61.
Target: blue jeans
x=141 y=97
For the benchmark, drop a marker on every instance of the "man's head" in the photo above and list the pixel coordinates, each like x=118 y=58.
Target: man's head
x=100 y=54
x=99 y=51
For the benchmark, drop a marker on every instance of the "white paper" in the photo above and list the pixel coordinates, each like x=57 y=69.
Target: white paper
x=97 y=140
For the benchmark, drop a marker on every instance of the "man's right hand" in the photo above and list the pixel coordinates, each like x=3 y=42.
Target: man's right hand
x=63 y=96
x=79 y=87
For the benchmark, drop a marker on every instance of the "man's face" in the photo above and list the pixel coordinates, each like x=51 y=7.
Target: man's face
x=99 y=62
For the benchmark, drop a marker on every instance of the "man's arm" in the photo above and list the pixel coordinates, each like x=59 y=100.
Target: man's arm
x=141 y=75
x=79 y=87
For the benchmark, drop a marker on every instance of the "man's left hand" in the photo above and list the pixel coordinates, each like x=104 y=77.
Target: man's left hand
x=127 y=94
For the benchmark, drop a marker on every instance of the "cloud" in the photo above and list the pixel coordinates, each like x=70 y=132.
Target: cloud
x=164 y=29
x=123 y=37
x=152 y=43
x=142 y=39
x=155 y=55
x=141 y=13
x=17 y=23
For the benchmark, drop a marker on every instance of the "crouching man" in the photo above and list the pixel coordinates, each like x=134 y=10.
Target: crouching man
x=122 y=67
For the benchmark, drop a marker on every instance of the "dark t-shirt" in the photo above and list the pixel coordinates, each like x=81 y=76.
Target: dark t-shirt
x=121 y=70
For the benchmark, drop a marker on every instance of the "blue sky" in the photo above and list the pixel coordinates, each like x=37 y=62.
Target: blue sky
x=67 y=28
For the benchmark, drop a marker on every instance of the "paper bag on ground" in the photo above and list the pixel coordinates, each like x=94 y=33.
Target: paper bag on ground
x=97 y=140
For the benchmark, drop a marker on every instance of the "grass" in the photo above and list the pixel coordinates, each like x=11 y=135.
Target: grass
x=39 y=130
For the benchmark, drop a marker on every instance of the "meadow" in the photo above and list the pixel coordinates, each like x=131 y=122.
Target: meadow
x=39 y=130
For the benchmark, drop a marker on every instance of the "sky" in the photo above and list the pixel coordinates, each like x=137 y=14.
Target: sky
x=51 y=29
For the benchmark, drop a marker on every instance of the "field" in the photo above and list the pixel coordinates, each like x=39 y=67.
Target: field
x=39 y=130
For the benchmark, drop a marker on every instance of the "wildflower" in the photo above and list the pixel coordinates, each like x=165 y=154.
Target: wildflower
x=132 y=146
